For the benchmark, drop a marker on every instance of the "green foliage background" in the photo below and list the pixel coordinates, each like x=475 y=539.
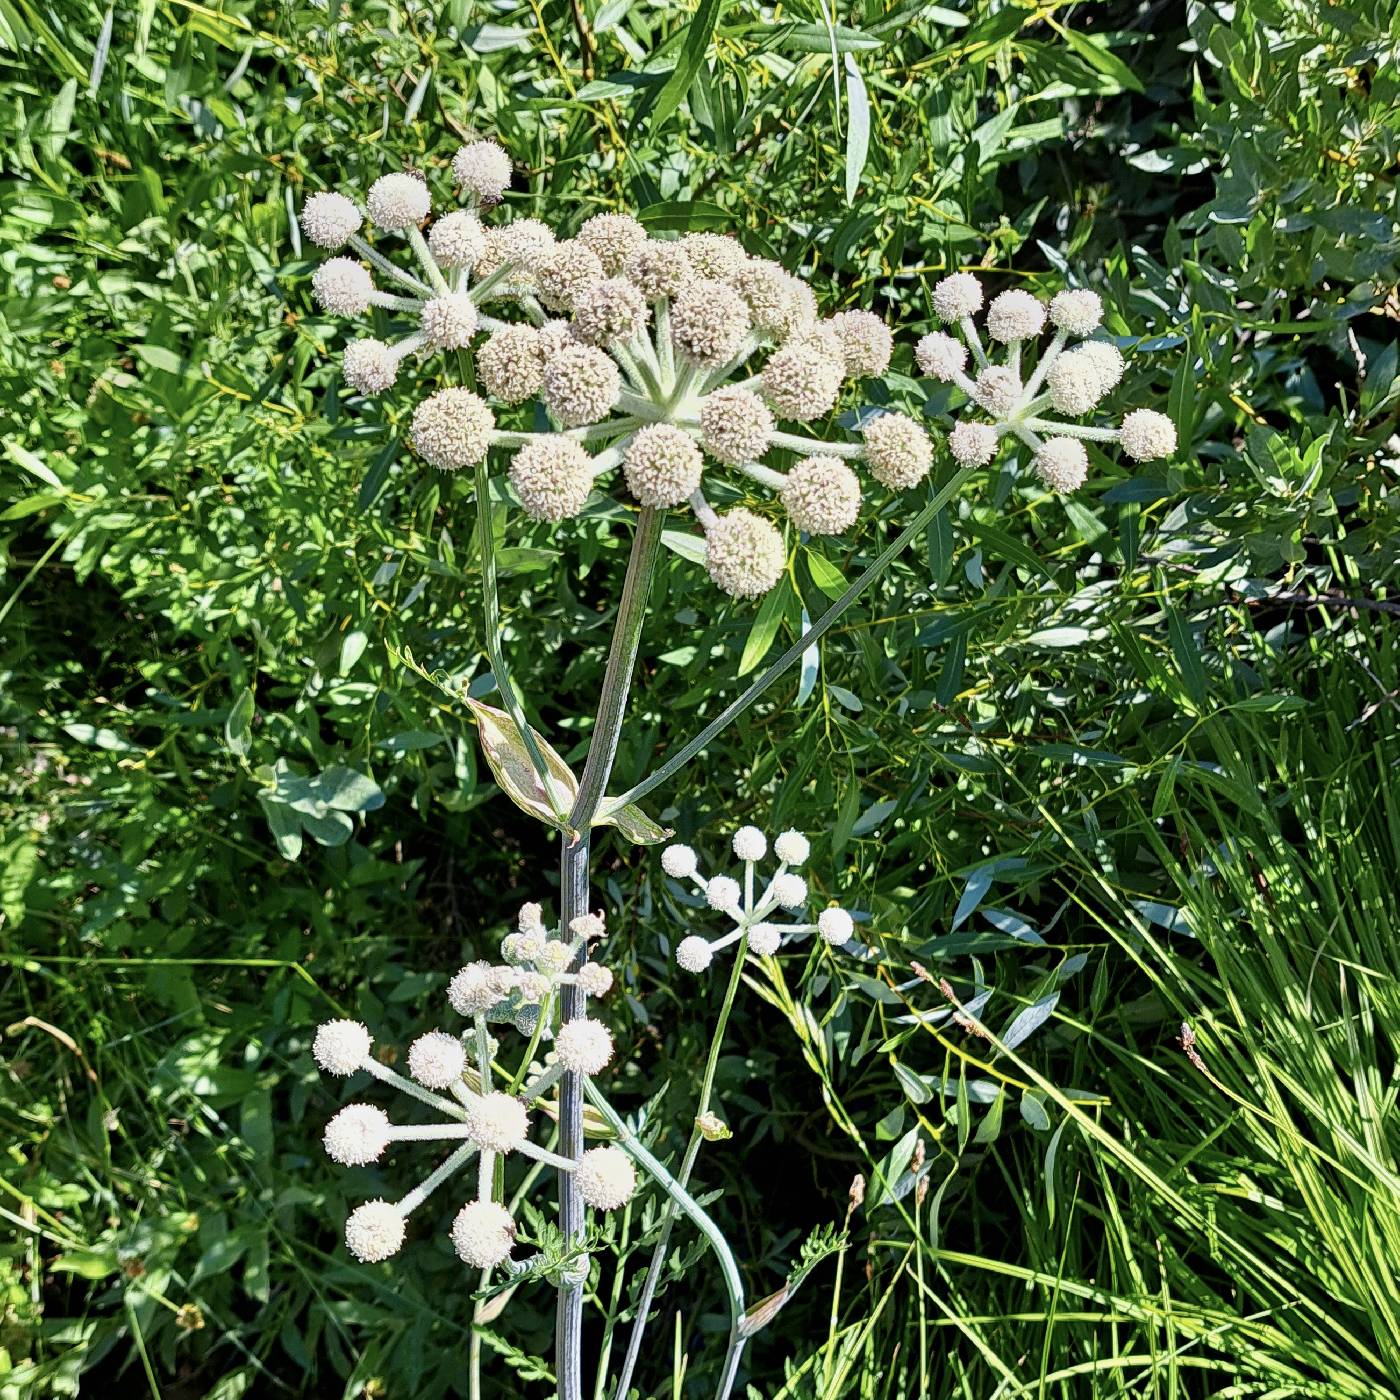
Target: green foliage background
x=1115 y=761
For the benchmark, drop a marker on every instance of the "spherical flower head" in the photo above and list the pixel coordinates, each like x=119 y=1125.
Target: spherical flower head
x=940 y=356
x=1075 y=383
x=1062 y=464
x=341 y=1047
x=449 y=321
x=398 y=201
x=510 y=364
x=866 y=342
x=483 y=1234
x=436 y=1060
x=534 y=986
x=735 y=426
x=821 y=496
x=583 y=1045
x=530 y=919
x=835 y=926
x=473 y=989
x=497 y=1122
x=581 y=385
x=973 y=444
x=609 y=311
x=659 y=269
x=997 y=389
x=357 y=1135
x=556 y=956
x=792 y=848
x=744 y=554
x=594 y=979
x=714 y=254
x=1014 y=316
x=790 y=890
x=374 y=1232
x=679 y=862
x=483 y=169
x=565 y=271
x=820 y=339
x=770 y=292
x=1147 y=435
x=956 y=297
x=369 y=366
x=524 y=245
x=589 y=927
x=693 y=953
x=530 y=946
x=1106 y=359
x=750 y=843
x=897 y=450
x=552 y=477
x=723 y=893
x=709 y=323
x=555 y=335
x=342 y=286
x=764 y=939
x=1076 y=312
x=662 y=465
x=457 y=239
x=614 y=238
x=606 y=1178
x=801 y=381
x=452 y=429
x=330 y=220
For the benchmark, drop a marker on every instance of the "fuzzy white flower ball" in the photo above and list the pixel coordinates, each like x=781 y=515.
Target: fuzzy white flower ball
x=764 y=939
x=866 y=342
x=473 y=989
x=819 y=338
x=679 y=861
x=835 y=926
x=398 y=201
x=614 y=238
x=341 y=1047
x=744 y=554
x=556 y=956
x=552 y=477
x=792 y=848
x=662 y=465
x=531 y=945
x=606 y=1178
x=723 y=893
x=357 y=1135
x=822 y=496
x=483 y=1234
x=330 y=220
x=374 y=1232
x=583 y=1045
x=609 y=311
x=534 y=986
x=714 y=254
x=452 y=429
x=771 y=294
x=973 y=444
x=801 y=382
x=693 y=953
x=589 y=927
x=369 y=366
x=750 y=843
x=497 y=1122
x=510 y=364
x=483 y=168
x=449 y=321
x=957 y=297
x=897 y=450
x=457 y=239
x=659 y=269
x=1062 y=464
x=735 y=425
x=522 y=245
x=1075 y=383
x=580 y=386
x=342 y=286
x=1015 y=315
x=566 y=271
x=530 y=919
x=436 y=1060
x=1106 y=359
x=594 y=979
x=1147 y=435
x=940 y=356
x=555 y=335
x=997 y=389
x=790 y=890
x=1076 y=312
x=709 y=322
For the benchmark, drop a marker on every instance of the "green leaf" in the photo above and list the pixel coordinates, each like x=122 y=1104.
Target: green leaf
x=857 y=128
x=765 y=628
x=635 y=825
x=510 y=765
x=238 y=725
x=1101 y=60
x=699 y=32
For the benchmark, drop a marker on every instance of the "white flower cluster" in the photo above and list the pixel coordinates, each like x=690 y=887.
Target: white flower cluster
x=749 y=908
x=454 y=1076
x=1016 y=399
x=663 y=358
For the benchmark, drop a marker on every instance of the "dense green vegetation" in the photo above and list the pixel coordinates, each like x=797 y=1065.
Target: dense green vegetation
x=1128 y=759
